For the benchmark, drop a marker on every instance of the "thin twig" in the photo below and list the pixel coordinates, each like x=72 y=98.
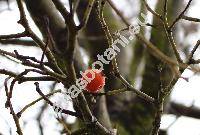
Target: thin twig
x=42 y=110
x=11 y=36
x=159 y=106
x=193 y=50
x=64 y=124
x=180 y=15
x=118 y=12
x=170 y=37
x=152 y=48
x=71 y=6
x=190 y=18
x=24 y=79
x=137 y=92
x=86 y=14
x=114 y=63
x=24 y=22
x=61 y=8
x=9 y=104
x=165 y=8
x=110 y=93
x=19 y=42
x=151 y=10
x=35 y=101
x=50 y=103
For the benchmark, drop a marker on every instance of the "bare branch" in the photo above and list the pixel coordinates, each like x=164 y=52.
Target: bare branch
x=165 y=8
x=190 y=18
x=114 y=63
x=181 y=15
x=18 y=42
x=170 y=37
x=24 y=22
x=151 y=10
x=34 y=102
x=86 y=14
x=18 y=35
x=182 y=110
x=9 y=104
x=118 y=12
x=190 y=58
x=50 y=103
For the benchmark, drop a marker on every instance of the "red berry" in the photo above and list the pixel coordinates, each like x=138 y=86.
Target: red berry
x=95 y=84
